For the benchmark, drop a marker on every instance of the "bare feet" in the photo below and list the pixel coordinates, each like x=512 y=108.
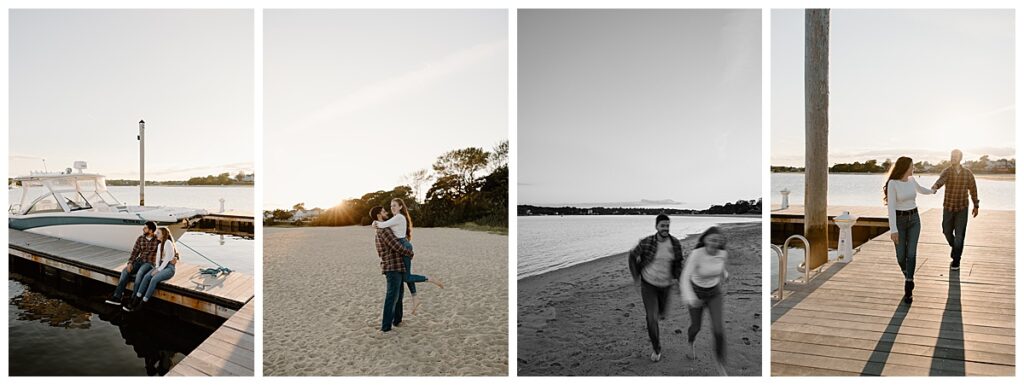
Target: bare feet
x=415 y=303
x=437 y=282
x=721 y=368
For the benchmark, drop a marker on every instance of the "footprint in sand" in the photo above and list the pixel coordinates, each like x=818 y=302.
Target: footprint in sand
x=746 y=341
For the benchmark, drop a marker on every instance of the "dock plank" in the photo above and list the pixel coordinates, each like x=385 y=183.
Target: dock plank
x=105 y=265
x=851 y=321
x=229 y=351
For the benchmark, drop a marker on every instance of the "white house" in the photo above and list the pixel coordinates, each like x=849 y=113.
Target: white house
x=302 y=215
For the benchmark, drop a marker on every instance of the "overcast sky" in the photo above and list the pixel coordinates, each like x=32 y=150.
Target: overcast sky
x=355 y=99
x=624 y=105
x=902 y=82
x=82 y=79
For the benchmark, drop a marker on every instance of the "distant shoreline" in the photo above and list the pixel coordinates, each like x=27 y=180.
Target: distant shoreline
x=641 y=215
x=1005 y=177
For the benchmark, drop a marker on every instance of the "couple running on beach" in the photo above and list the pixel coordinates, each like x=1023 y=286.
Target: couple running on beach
x=900 y=194
x=395 y=252
x=658 y=266
x=151 y=261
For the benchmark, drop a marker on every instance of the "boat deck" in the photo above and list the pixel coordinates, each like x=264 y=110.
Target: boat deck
x=850 y=320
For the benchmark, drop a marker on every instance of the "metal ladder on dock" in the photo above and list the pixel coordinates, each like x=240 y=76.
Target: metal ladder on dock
x=783 y=253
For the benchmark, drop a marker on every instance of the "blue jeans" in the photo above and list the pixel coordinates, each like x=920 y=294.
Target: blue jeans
x=126 y=274
x=954 y=227
x=150 y=281
x=909 y=227
x=410 y=278
x=392 y=300
x=140 y=276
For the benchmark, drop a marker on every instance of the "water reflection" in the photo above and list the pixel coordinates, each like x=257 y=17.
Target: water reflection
x=37 y=307
x=56 y=330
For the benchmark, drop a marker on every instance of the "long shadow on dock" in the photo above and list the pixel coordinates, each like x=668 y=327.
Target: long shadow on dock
x=802 y=292
x=880 y=354
x=949 y=360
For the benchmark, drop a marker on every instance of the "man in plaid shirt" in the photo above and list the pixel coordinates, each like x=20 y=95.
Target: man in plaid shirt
x=391 y=252
x=959 y=182
x=139 y=261
x=656 y=264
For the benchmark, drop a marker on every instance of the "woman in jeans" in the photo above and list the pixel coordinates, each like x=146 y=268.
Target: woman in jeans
x=401 y=225
x=701 y=286
x=166 y=258
x=900 y=194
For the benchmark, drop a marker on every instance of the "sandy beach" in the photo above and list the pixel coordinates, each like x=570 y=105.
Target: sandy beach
x=588 y=319
x=324 y=294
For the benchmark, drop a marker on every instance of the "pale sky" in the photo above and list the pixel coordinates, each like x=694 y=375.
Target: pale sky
x=624 y=105
x=355 y=99
x=80 y=81
x=903 y=82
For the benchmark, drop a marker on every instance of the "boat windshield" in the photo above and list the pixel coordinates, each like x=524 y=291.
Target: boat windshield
x=75 y=200
x=45 y=204
x=95 y=191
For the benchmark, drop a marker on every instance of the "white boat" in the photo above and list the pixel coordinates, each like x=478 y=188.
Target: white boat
x=78 y=206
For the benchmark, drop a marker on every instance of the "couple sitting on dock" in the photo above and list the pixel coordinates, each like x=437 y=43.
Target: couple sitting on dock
x=151 y=261
x=900 y=194
x=396 y=252
x=658 y=266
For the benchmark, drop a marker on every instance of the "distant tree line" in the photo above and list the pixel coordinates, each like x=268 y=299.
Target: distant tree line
x=465 y=185
x=223 y=179
x=984 y=165
x=731 y=208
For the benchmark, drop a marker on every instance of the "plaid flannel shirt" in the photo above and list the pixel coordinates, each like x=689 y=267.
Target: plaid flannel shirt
x=958 y=186
x=144 y=249
x=644 y=253
x=390 y=251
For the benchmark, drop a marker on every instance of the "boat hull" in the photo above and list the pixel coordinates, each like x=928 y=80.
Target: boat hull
x=113 y=233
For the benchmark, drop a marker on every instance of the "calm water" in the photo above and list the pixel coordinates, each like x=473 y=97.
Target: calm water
x=549 y=243
x=55 y=333
x=865 y=190
x=235 y=253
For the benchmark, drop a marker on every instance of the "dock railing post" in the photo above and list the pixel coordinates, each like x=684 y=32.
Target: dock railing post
x=845 y=223
x=816 y=45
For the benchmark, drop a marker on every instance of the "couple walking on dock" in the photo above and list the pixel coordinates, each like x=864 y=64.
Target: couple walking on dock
x=151 y=261
x=900 y=194
x=658 y=266
x=394 y=248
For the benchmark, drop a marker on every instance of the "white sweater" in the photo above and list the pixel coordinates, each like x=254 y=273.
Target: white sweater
x=704 y=270
x=397 y=224
x=165 y=258
x=902 y=196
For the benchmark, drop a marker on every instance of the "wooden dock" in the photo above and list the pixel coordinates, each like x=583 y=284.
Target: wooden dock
x=225 y=296
x=871 y=222
x=850 y=319
x=228 y=351
x=228 y=223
